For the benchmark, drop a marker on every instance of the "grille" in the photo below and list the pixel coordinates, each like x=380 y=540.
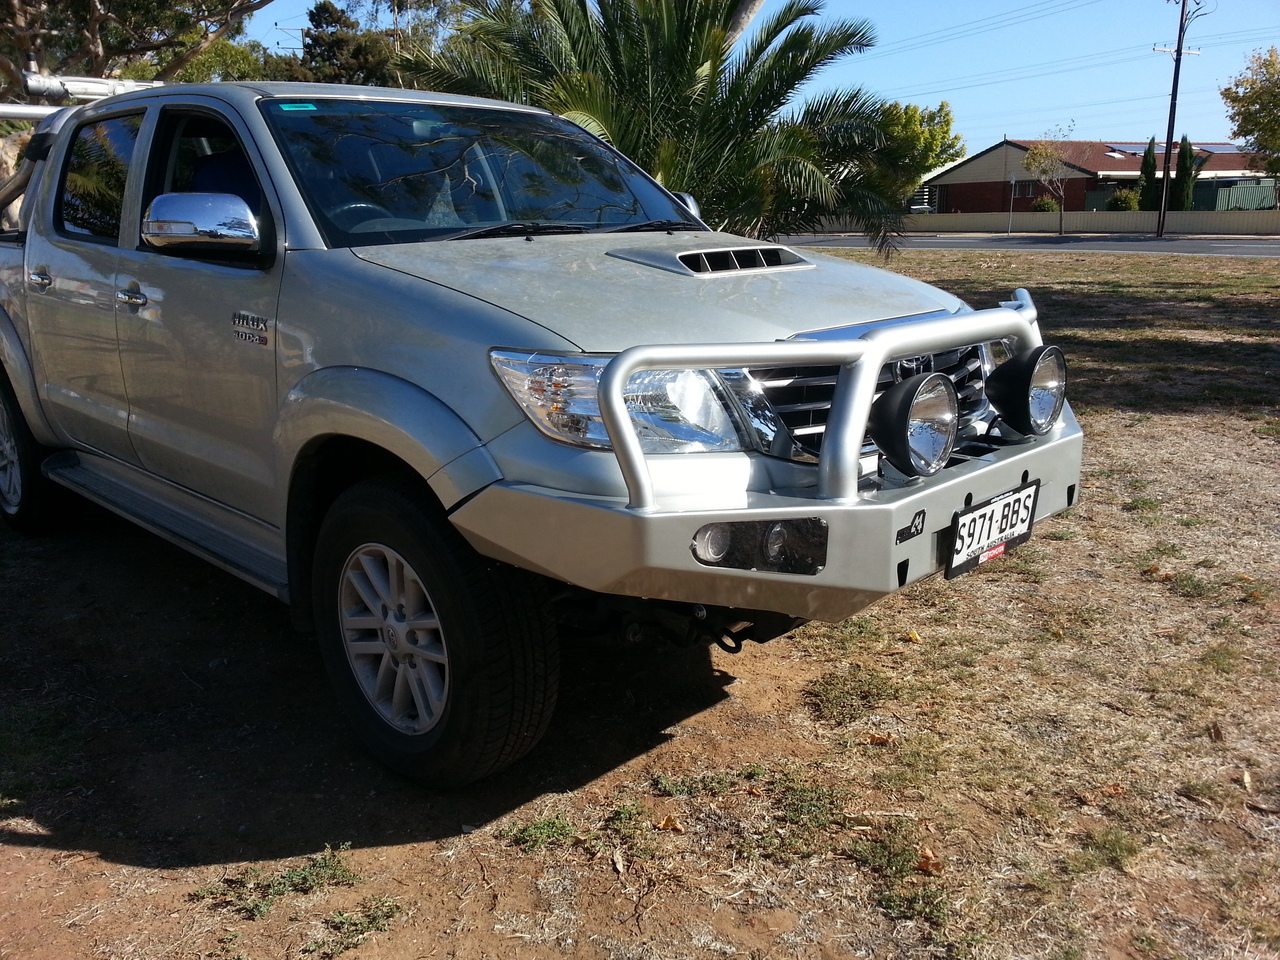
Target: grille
x=740 y=258
x=801 y=396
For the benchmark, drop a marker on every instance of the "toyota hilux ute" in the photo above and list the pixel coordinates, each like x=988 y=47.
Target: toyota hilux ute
x=448 y=375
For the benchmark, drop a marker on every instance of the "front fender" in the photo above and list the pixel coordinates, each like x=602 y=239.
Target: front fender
x=17 y=367
x=391 y=413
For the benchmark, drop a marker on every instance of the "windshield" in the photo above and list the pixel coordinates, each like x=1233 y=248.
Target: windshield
x=396 y=172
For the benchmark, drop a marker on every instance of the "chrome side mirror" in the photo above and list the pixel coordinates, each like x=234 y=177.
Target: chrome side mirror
x=200 y=221
x=690 y=203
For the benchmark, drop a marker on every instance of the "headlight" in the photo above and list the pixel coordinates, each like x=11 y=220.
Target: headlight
x=673 y=411
x=914 y=423
x=1028 y=390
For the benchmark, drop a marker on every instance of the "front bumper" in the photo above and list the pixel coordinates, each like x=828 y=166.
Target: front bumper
x=602 y=544
x=640 y=544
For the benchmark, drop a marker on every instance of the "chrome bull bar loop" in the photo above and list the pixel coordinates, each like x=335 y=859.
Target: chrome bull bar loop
x=860 y=361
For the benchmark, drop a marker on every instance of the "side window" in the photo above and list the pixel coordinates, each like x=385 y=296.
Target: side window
x=200 y=153
x=94 y=177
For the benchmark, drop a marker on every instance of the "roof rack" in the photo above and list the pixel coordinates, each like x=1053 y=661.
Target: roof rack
x=67 y=88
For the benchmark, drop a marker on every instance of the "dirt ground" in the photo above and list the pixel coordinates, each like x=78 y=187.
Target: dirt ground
x=1073 y=752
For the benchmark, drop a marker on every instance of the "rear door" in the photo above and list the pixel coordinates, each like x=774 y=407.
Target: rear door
x=71 y=280
x=198 y=340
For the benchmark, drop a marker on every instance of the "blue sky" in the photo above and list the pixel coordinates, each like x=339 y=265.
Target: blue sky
x=1022 y=68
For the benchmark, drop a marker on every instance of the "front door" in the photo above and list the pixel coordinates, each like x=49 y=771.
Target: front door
x=198 y=339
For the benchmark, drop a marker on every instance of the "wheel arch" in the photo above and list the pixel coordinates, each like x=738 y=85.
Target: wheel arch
x=16 y=367
x=342 y=425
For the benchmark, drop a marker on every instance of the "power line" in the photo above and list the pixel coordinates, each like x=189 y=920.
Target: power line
x=975 y=28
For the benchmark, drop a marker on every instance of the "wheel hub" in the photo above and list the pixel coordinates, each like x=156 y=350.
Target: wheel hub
x=393 y=639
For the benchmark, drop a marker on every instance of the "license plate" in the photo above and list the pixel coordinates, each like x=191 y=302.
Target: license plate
x=987 y=530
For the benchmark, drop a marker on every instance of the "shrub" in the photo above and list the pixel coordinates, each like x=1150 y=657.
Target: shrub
x=1123 y=200
x=1044 y=204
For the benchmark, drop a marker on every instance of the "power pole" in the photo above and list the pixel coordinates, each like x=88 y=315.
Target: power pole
x=1183 y=21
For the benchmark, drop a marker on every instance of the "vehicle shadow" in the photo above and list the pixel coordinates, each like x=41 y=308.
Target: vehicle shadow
x=157 y=712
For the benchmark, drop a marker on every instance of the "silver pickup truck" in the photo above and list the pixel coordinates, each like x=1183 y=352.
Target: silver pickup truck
x=449 y=375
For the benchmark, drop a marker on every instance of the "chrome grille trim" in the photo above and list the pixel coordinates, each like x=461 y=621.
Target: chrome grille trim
x=800 y=397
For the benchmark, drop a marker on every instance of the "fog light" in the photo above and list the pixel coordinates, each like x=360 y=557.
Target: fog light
x=1028 y=390
x=775 y=542
x=711 y=543
x=914 y=423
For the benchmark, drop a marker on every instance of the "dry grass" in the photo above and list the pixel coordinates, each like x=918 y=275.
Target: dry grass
x=1073 y=752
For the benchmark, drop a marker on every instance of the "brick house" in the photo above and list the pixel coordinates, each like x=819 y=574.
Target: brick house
x=983 y=183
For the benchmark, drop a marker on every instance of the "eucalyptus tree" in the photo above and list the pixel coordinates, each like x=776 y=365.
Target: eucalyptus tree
x=665 y=83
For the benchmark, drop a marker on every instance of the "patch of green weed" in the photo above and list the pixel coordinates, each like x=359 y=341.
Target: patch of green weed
x=1222 y=657
x=349 y=930
x=545 y=832
x=697 y=785
x=1104 y=847
x=1141 y=505
x=253 y=895
x=844 y=696
x=627 y=827
x=1188 y=585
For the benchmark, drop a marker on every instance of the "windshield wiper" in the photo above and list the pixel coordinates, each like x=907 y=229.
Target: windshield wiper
x=516 y=228
x=651 y=225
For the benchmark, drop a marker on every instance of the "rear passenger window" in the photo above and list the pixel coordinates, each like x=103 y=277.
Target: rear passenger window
x=94 y=178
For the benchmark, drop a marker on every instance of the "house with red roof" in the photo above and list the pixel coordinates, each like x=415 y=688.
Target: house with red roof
x=996 y=181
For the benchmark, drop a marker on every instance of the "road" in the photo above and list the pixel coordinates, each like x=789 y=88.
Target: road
x=1268 y=246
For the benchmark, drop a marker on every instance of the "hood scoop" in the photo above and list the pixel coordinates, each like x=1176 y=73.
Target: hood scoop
x=716 y=262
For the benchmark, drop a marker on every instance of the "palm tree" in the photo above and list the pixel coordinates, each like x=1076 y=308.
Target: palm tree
x=660 y=81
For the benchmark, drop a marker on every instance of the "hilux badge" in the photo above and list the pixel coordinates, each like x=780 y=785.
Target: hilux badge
x=250 y=327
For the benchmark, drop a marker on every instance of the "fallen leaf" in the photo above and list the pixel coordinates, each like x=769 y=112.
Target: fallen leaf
x=914 y=637
x=1215 y=732
x=1114 y=790
x=1246 y=781
x=1153 y=569
x=928 y=862
x=1262 y=807
x=1245 y=577
x=755 y=791
x=670 y=823
x=618 y=863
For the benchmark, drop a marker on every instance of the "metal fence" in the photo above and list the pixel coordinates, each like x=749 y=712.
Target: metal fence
x=1184 y=223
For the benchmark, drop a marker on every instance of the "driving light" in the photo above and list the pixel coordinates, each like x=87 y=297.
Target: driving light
x=672 y=411
x=914 y=423
x=1029 y=389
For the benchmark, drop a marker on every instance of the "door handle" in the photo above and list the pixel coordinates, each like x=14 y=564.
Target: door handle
x=41 y=280
x=132 y=297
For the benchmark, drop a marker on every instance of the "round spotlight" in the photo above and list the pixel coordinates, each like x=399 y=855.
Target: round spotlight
x=1029 y=389
x=914 y=423
x=711 y=543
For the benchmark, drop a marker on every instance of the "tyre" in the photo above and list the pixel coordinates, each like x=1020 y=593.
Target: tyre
x=445 y=661
x=24 y=492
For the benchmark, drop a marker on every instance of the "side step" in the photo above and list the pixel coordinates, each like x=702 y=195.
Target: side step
x=237 y=544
